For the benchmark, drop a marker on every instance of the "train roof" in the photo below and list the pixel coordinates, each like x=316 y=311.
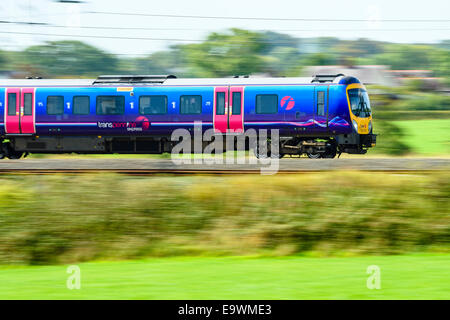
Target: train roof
x=151 y=80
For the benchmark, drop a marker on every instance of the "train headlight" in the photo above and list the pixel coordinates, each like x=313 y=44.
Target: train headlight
x=370 y=126
x=355 y=125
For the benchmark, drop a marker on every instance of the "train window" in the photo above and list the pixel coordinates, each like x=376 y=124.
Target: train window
x=359 y=102
x=237 y=101
x=81 y=105
x=110 y=105
x=12 y=104
x=191 y=104
x=153 y=104
x=55 y=105
x=220 y=103
x=320 y=103
x=266 y=103
x=27 y=104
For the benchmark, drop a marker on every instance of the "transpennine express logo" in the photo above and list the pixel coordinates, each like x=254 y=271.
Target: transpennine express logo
x=143 y=121
x=140 y=124
x=288 y=101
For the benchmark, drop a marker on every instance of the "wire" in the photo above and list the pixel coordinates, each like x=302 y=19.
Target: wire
x=257 y=18
x=43 y=24
x=24 y=22
x=99 y=37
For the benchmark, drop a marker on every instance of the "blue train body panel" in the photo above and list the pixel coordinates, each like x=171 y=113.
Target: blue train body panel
x=70 y=124
x=300 y=118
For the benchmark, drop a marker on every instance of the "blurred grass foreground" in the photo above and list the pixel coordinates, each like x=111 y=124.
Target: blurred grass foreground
x=416 y=276
x=65 y=219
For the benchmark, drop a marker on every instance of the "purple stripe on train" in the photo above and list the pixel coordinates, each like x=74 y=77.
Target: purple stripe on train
x=337 y=121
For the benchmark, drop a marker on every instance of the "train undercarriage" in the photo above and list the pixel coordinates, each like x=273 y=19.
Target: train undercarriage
x=319 y=147
x=16 y=147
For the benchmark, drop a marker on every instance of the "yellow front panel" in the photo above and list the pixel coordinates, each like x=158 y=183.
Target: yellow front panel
x=363 y=123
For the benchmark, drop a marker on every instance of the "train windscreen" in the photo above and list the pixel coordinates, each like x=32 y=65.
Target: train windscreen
x=359 y=102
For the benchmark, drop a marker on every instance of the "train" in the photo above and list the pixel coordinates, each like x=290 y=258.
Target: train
x=319 y=117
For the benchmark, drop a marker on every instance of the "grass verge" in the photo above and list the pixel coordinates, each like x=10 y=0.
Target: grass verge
x=426 y=136
x=402 y=277
x=65 y=218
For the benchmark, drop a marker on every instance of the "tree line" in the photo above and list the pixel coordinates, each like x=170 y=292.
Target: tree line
x=234 y=52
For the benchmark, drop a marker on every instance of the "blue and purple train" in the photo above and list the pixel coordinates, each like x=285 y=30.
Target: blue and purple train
x=319 y=116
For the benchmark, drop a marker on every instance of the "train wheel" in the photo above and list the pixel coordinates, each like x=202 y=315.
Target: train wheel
x=264 y=151
x=261 y=151
x=15 y=155
x=312 y=155
x=10 y=153
x=277 y=156
x=3 y=151
x=330 y=153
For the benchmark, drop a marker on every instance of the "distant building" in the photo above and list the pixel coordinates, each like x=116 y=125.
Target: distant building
x=411 y=73
x=426 y=77
x=5 y=74
x=381 y=75
x=367 y=74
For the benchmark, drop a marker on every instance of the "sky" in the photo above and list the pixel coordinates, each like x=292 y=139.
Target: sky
x=141 y=34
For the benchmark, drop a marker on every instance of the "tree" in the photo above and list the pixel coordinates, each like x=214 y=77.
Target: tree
x=2 y=60
x=281 y=54
x=319 y=59
x=405 y=56
x=440 y=62
x=162 y=62
x=283 y=61
x=357 y=49
x=235 y=53
x=274 y=41
x=67 y=58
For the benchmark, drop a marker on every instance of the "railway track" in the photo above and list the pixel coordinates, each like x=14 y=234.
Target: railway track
x=151 y=166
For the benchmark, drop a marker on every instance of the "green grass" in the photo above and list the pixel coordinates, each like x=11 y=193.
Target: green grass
x=426 y=136
x=393 y=115
x=402 y=277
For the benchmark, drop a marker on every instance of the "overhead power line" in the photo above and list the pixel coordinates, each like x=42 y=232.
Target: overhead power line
x=257 y=18
x=24 y=23
x=47 y=25
x=98 y=37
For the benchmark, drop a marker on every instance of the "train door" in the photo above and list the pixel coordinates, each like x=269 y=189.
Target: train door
x=321 y=108
x=236 y=110
x=220 y=117
x=12 y=111
x=19 y=111
x=27 y=116
x=229 y=109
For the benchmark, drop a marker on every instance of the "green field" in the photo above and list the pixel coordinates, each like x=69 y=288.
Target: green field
x=402 y=277
x=426 y=136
